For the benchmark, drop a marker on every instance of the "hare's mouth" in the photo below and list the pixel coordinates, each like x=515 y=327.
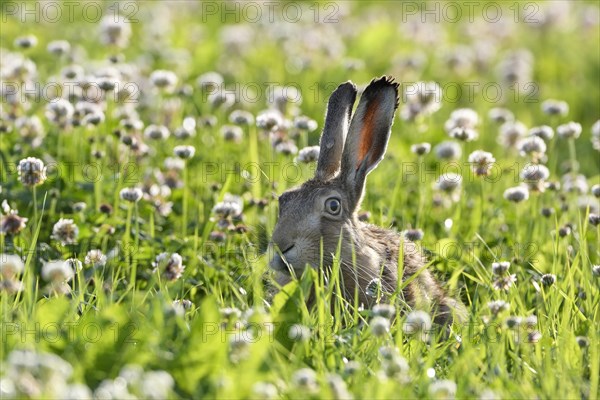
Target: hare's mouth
x=279 y=261
x=288 y=249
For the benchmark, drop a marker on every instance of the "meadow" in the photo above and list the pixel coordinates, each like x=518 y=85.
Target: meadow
x=143 y=147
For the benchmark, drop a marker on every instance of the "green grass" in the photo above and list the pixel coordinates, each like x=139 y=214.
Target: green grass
x=236 y=333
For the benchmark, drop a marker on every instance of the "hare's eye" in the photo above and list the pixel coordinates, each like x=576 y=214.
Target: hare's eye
x=333 y=206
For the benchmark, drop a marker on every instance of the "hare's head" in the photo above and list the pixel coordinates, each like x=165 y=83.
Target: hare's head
x=313 y=216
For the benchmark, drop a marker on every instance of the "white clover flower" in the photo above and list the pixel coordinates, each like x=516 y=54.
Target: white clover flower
x=420 y=149
x=577 y=183
x=504 y=282
x=421 y=98
x=132 y=195
x=174 y=163
x=132 y=373
x=36 y=373
x=95 y=258
x=305 y=378
x=26 y=42
x=442 y=389
x=76 y=391
x=31 y=130
x=132 y=124
x=286 y=147
x=516 y=194
x=210 y=81
x=534 y=176
x=107 y=82
x=269 y=119
x=59 y=111
x=555 y=107
x=58 y=47
x=241 y=117
x=156 y=385
x=11 y=286
x=352 y=367
x=57 y=271
x=448 y=150
x=535 y=172
x=570 y=130
x=10 y=265
x=513 y=321
x=184 y=152
x=232 y=133
x=10 y=221
x=384 y=310
x=510 y=133
x=115 y=30
x=548 y=279
x=500 y=268
x=165 y=80
x=417 y=321
x=230 y=313
x=92 y=119
x=448 y=182
x=65 y=231
x=299 y=333
x=589 y=204
x=380 y=326
x=304 y=123
x=156 y=132
x=501 y=115
x=79 y=206
x=544 y=132
x=32 y=171
x=308 y=154
x=187 y=128
x=530 y=321
x=413 y=235
x=74 y=264
x=582 y=341
x=229 y=207
x=463 y=134
x=221 y=98
x=281 y=96
x=183 y=304
x=532 y=145
x=265 y=390
x=113 y=389
x=394 y=365
x=170 y=264
x=481 y=162
x=498 y=306
x=534 y=337
x=462 y=118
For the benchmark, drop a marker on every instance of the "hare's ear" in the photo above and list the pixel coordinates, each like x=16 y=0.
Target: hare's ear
x=368 y=134
x=337 y=120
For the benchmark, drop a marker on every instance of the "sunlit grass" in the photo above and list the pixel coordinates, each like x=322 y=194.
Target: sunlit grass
x=233 y=339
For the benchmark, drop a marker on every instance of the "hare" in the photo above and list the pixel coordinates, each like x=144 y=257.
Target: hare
x=313 y=216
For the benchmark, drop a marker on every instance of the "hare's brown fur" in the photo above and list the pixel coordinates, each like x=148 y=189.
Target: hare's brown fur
x=376 y=254
x=316 y=217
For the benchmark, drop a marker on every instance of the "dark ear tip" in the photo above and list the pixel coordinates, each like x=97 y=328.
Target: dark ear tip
x=346 y=86
x=384 y=82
